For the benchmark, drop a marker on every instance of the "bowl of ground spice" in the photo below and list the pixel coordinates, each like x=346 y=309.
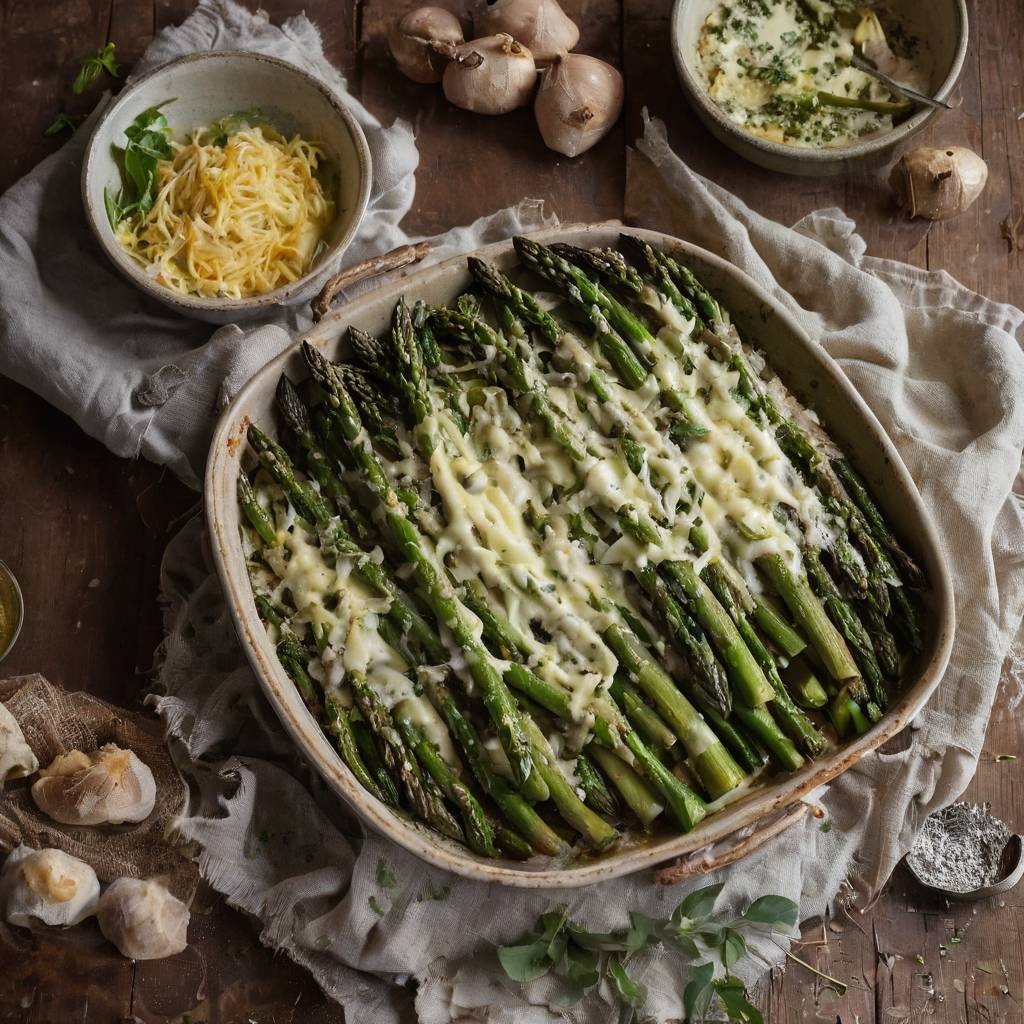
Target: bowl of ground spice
x=964 y=853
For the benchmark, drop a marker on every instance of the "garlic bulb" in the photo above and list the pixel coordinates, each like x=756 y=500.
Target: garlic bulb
x=49 y=886
x=579 y=100
x=107 y=787
x=423 y=41
x=938 y=183
x=492 y=75
x=143 y=919
x=540 y=25
x=16 y=757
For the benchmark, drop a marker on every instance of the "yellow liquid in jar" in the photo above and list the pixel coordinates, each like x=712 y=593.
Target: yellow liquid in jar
x=10 y=610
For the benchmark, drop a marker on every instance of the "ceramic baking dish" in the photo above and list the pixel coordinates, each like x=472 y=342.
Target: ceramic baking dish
x=764 y=810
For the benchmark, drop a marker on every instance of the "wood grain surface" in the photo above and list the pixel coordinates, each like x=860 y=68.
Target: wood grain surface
x=85 y=531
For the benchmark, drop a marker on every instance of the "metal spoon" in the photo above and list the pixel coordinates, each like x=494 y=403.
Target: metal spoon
x=869 y=69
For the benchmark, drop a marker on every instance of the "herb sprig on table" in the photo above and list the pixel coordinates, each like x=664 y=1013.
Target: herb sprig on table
x=148 y=142
x=93 y=66
x=582 y=958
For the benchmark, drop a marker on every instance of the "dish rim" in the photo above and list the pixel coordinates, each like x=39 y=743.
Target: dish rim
x=196 y=304
x=810 y=158
x=228 y=441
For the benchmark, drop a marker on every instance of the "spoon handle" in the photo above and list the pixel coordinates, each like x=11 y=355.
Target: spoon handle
x=862 y=65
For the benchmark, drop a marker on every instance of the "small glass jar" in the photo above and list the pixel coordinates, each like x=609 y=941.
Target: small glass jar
x=12 y=609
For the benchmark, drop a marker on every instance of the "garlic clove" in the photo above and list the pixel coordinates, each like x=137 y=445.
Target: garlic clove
x=540 y=25
x=110 y=786
x=16 y=757
x=143 y=919
x=48 y=886
x=579 y=100
x=938 y=183
x=492 y=75
x=422 y=42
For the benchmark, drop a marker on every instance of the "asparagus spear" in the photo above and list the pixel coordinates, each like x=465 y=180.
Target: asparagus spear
x=430 y=582
x=478 y=830
x=639 y=797
x=597 y=794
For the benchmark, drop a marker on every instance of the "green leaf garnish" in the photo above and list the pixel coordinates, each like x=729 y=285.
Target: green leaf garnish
x=777 y=912
x=63 y=122
x=699 y=993
x=93 y=66
x=147 y=143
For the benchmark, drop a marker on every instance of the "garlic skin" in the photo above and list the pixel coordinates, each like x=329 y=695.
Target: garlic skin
x=540 y=25
x=48 y=886
x=579 y=100
x=16 y=757
x=143 y=919
x=938 y=183
x=107 y=787
x=492 y=75
x=422 y=43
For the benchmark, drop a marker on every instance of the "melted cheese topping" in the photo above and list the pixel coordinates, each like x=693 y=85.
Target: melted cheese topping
x=233 y=220
x=768 y=62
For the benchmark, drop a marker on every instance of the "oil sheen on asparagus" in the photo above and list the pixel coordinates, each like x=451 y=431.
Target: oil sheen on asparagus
x=563 y=564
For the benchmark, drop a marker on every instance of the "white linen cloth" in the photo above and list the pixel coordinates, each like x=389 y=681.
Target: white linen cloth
x=941 y=366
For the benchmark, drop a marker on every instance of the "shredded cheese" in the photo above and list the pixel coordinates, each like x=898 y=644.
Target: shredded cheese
x=234 y=220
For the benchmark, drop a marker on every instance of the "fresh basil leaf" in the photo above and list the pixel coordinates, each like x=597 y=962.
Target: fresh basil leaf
x=526 y=962
x=62 y=122
x=699 y=993
x=113 y=208
x=93 y=66
x=600 y=942
x=698 y=905
x=628 y=991
x=643 y=931
x=579 y=967
x=683 y=942
x=734 y=998
x=779 y=913
x=732 y=948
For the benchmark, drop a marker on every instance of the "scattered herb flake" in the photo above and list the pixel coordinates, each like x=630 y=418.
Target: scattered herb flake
x=375 y=906
x=437 y=895
x=825 y=826
x=1004 y=757
x=385 y=876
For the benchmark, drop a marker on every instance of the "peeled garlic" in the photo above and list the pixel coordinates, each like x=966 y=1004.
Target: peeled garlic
x=423 y=41
x=107 y=787
x=579 y=100
x=938 y=183
x=540 y=25
x=492 y=75
x=143 y=919
x=49 y=886
x=16 y=757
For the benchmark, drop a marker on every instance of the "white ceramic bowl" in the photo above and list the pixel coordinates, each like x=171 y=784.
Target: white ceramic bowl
x=208 y=86
x=940 y=24
x=804 y=367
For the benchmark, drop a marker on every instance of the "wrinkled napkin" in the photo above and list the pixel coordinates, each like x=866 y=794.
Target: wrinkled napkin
x=941 y=366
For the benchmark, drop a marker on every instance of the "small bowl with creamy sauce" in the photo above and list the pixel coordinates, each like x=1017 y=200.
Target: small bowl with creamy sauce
x=773 y=79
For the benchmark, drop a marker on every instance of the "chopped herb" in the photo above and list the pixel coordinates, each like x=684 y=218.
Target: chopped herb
x=375 y=906
x=919 y=958
x=825 y=826
x=432 y=894
x=1004 y=757
x=93 y=66
x=385 y=876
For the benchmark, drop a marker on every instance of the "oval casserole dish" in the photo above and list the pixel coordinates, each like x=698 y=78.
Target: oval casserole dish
x=815 y=380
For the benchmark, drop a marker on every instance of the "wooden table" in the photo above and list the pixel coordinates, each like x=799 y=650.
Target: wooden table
x=85 y=530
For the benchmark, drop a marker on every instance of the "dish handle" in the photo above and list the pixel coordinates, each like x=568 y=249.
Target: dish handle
x=732 y=848
x=383 y=264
